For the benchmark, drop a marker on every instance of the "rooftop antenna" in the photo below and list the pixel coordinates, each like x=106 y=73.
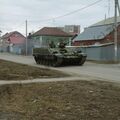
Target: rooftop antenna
x=105 y=18
x=108 y=8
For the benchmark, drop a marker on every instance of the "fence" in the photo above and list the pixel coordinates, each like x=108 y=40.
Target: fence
x=104 y=52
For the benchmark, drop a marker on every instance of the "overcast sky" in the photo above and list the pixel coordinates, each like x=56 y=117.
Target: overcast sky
x=13 y=13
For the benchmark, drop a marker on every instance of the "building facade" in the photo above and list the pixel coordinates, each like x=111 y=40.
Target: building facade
x=13 y=42
x=46 y=35
x=99 y=33
x=71 y=29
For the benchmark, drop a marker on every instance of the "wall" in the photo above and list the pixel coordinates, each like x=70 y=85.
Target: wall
x=17 y=49
x=92 y=53
x=30 y=46
x=3 y=49
x=101 y=53
x=47 y=39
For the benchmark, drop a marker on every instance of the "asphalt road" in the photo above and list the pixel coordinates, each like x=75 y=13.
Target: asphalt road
x=108 y=72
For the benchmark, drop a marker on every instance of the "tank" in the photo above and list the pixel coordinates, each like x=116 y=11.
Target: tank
x=59 y=57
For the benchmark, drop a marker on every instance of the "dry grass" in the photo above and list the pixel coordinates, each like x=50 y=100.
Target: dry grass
x=15 y=71
x=80 y=100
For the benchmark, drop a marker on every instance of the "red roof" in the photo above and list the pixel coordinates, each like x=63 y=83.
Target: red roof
x=14 y=37
x=17 y=40
x=51 y=31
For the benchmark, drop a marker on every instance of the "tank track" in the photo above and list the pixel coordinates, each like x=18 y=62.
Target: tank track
x=56 y=61
x=48 y=60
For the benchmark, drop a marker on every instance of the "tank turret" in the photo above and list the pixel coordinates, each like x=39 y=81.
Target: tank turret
x=58 y=56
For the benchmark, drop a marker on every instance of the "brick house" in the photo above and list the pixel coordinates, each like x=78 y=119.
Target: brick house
x=13 y=42
x=44 y=36
x=99 y=33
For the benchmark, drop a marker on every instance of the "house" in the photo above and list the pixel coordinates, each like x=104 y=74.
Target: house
x=97 y=41
x=71 y=29
x=13 y=42
x=99 y=33
x=46 y=35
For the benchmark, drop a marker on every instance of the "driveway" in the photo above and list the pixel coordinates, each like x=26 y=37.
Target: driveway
x=89 y=71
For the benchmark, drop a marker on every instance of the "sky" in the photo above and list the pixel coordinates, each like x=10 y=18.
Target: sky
x=44 y=13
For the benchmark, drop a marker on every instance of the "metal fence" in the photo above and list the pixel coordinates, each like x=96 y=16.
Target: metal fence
x=103 y=52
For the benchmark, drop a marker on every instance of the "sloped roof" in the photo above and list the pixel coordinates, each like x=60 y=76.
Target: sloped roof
x=14 y=39
x=95 y=32
x=51 y=31
x=7 y=35
x=107 y=21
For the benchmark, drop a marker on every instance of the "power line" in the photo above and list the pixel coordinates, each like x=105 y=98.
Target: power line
x=78 y=10
x=70 y=13
x=64 y=15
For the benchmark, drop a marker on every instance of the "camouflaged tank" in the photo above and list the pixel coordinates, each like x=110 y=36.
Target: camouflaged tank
x=58 y=57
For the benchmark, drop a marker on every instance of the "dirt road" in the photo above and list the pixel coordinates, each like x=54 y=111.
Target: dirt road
x=109 y=72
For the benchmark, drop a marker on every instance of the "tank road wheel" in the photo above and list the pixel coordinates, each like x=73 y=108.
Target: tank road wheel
x=56 y=62
x=82 y=60
x=43 y=62
x=39 y=61
x=36 y=59
x=48 y=62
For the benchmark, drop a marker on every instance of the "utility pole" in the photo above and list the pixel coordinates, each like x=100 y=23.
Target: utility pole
x=115 y=29
x=118 y=8
x=0 y=37
x=115 y=33
x=26 y=37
